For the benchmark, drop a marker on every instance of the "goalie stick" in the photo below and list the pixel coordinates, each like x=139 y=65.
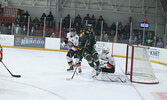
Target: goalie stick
x=18 y=76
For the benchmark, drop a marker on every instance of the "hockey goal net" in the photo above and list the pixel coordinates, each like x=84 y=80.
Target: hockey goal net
x=138 y=65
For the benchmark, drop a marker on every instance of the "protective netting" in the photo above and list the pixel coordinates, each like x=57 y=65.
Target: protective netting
x=142 y=71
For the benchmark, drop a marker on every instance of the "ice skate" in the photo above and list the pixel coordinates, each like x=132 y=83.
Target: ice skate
x=71 y=68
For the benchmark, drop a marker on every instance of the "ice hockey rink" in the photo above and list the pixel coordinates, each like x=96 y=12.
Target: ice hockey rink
x=44 y=78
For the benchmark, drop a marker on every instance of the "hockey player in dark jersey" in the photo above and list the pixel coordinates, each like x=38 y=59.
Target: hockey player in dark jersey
x=87 y=50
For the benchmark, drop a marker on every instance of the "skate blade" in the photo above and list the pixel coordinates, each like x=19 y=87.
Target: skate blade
x=68 y=79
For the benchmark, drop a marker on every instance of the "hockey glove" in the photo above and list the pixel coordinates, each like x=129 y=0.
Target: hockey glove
x=66 y=40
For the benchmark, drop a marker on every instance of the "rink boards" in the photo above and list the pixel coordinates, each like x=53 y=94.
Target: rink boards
x=157 y=55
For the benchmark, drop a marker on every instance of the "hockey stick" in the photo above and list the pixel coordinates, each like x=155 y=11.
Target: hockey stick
x=18 y=76
x=75 y=65
x=73 y=74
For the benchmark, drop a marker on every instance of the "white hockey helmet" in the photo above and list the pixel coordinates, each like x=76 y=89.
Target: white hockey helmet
x=73 y=31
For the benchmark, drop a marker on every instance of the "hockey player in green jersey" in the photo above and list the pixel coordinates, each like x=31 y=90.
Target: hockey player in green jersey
x=87 y=50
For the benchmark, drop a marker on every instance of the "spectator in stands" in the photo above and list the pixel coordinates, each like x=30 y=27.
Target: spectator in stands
x=36 y=21
x=99 y=23
x=50 y=20
x=24 y=30
x=78 y=20
x=26 y=15
x=133 y=39
x=66 y=21
x=32 y=31
x=53 y=35
x=9 y=29
x=18 y=19
x=3 y=29
x=17 y=29
x=149 y=40
x=9 y=23
x=42 y=17
x=86 y=18
x=2 y=22
x=25 y=19
x=120 y=28
x=104 y=36
x=160 y=43
x=47 y=34
x=127 y=28
x=139 y=40
x=100 y=19
x=113 y=29
x=93 y=21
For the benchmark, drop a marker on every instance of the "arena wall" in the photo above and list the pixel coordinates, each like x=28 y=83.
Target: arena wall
x=157 y=55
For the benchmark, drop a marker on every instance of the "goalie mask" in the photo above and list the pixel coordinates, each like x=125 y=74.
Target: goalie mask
x=105 y=49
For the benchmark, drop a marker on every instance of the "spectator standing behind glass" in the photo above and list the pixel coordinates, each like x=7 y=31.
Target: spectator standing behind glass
x=53 y=35
x=32 y=31
x=98 y=26
x=24 y=30
x=66 y=21
x=160 y=43
x=42 y=17
x=36 y=21
x=139 y=40
x=18 y=20
x=2 y=22
x=105 y=36
x=3 y=28
x=120 y=27
x=113 y=29
x=50 y=20
x=17 y=29
x=26 y=15
x=86 y=18
x=9 y=23
x=149 y=40
x=25 y=19
x=93 y=21
x=78 y=20
x=9 y=29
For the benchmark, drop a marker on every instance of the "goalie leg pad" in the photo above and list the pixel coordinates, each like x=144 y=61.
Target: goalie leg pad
x=109 y=77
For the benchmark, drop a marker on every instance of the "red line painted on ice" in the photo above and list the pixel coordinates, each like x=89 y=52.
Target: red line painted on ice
x=36 y=88
x=132 y=85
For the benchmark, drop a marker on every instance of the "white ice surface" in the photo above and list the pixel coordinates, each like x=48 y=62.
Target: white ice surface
x=44 y=78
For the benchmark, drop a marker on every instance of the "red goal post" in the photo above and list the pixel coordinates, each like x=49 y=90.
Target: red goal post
x=138 y=65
